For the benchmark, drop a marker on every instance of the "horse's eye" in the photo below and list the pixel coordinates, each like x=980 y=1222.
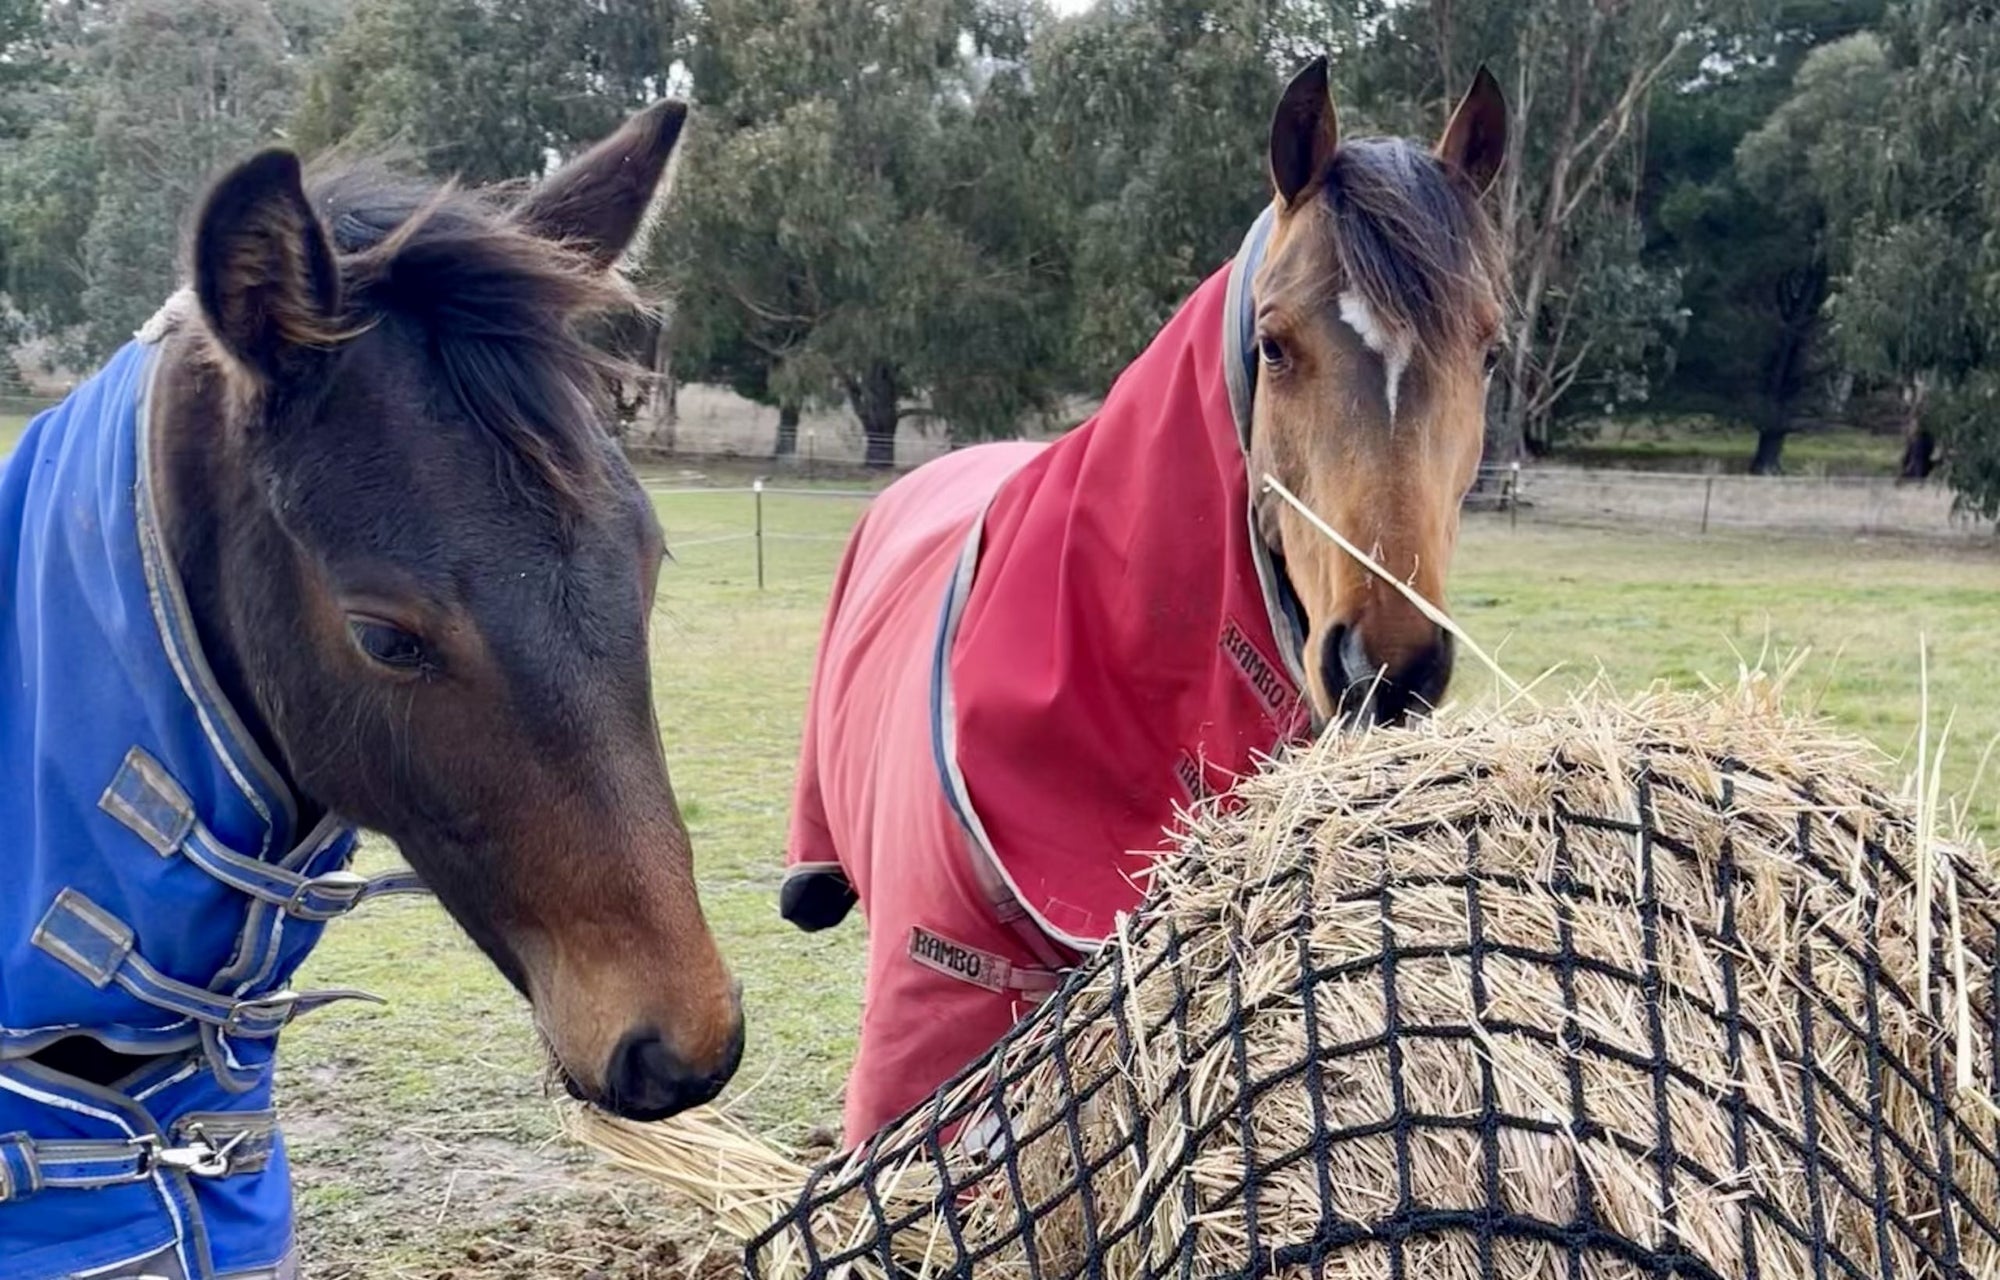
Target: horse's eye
x=1492 y=359
x=1273 y=355
x=389 y=645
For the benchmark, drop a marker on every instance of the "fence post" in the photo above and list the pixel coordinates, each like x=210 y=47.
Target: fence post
x=809 y=453
x=1707 y=497
x=757 y=496
x=1514 y=495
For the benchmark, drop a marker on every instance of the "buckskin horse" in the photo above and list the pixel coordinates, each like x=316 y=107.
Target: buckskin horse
x=337 y=541
x=1033 y=653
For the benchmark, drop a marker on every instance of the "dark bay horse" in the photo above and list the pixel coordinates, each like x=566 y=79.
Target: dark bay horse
x=339 y=541
x=1034 y=653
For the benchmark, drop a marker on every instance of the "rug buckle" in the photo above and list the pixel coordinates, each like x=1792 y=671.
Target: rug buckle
x=200 y=1158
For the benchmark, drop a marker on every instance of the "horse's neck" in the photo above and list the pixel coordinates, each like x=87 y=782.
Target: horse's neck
x=211 y=507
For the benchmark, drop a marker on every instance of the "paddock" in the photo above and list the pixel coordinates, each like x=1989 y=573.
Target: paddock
x=424 y=1139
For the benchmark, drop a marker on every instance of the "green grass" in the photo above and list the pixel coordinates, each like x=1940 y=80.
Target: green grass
x=1700 y=444
x=422 y=1143
x=12 y=425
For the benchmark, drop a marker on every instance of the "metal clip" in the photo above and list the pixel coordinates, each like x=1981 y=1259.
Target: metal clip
x=275 y=1008
x=200 y=1158
x=263 y=1016
x=342 y=885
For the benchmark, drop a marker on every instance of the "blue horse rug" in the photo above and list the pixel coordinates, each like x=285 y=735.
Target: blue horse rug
x=155 y=893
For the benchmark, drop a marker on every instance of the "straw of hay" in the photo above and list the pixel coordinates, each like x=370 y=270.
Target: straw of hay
x=1631 y=986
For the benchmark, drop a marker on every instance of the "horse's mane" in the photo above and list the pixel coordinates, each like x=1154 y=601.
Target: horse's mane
x=498 y=305
x=1412 y=241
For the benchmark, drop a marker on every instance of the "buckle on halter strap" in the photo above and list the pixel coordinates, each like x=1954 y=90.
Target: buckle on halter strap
x=261 y=1015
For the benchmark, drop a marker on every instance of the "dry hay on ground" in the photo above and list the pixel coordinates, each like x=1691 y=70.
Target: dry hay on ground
x=1662 y=987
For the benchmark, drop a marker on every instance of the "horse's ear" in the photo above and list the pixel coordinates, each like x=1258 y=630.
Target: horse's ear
x=263 y=268
x=1475 y=142
x=1304 y=132
x=601 y=200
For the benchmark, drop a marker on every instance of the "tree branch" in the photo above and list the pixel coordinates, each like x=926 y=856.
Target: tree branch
x=1619 y=120
x=1558 y=383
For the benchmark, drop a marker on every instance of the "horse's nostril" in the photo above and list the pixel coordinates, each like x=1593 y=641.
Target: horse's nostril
x=1369 y=695
x=1332 y=665
x=639 y=1064
x=648 y=1081
x=1354 y=659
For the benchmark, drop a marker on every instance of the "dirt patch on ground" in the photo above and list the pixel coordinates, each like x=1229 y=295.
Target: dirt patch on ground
x=565 y=1240
x=436 y=1206
x=480 y=1195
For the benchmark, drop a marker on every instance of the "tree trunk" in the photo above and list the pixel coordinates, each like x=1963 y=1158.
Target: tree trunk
x=1506 y=422
x=1919 y=445
x=1799 y=297
x=788 y=430
x=1520 y=430
x=661 y=409
x=1502 y=444
x=1770 y=449
x=874 y=400
x=668 y=386
x=1919 y=454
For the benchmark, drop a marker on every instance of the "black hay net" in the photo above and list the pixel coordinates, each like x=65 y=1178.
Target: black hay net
x=1672 y=1019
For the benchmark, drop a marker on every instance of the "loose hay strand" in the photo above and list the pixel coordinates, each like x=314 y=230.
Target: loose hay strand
x=1436 y=615
x=1961 y=984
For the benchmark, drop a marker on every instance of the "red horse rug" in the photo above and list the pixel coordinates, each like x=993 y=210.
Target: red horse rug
x=1033 y=655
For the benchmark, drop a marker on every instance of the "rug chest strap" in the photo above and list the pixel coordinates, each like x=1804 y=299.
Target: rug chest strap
x=102 y=949
x=1007 y=909
x=146 y=799
x=209 y=1146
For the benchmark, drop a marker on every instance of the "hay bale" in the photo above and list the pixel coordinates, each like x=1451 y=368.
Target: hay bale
x=1611 y=990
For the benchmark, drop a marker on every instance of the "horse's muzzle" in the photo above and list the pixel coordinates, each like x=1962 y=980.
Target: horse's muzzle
x=1371 y=693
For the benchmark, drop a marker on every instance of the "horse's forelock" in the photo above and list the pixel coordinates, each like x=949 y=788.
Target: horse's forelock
x=499 y=307
x=1411 y=241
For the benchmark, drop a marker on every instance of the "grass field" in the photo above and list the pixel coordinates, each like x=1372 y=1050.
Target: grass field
x=1641 y=445
x=423 y=1144
x=11 y=427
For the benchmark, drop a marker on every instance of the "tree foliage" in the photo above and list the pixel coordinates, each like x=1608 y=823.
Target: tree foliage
x=1734 y=208
x=1887 y=147
x=1918 y=302
x=487 y=90
x=186 y=88
x=1153 y=119
x=119 y=115
x=856 y=221
x=1580 y=77
x=956 y=211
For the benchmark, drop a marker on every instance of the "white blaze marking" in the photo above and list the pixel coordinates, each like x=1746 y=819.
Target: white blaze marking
x=1393 y=347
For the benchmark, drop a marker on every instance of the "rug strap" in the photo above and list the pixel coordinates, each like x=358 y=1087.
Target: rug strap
x=146 y=799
